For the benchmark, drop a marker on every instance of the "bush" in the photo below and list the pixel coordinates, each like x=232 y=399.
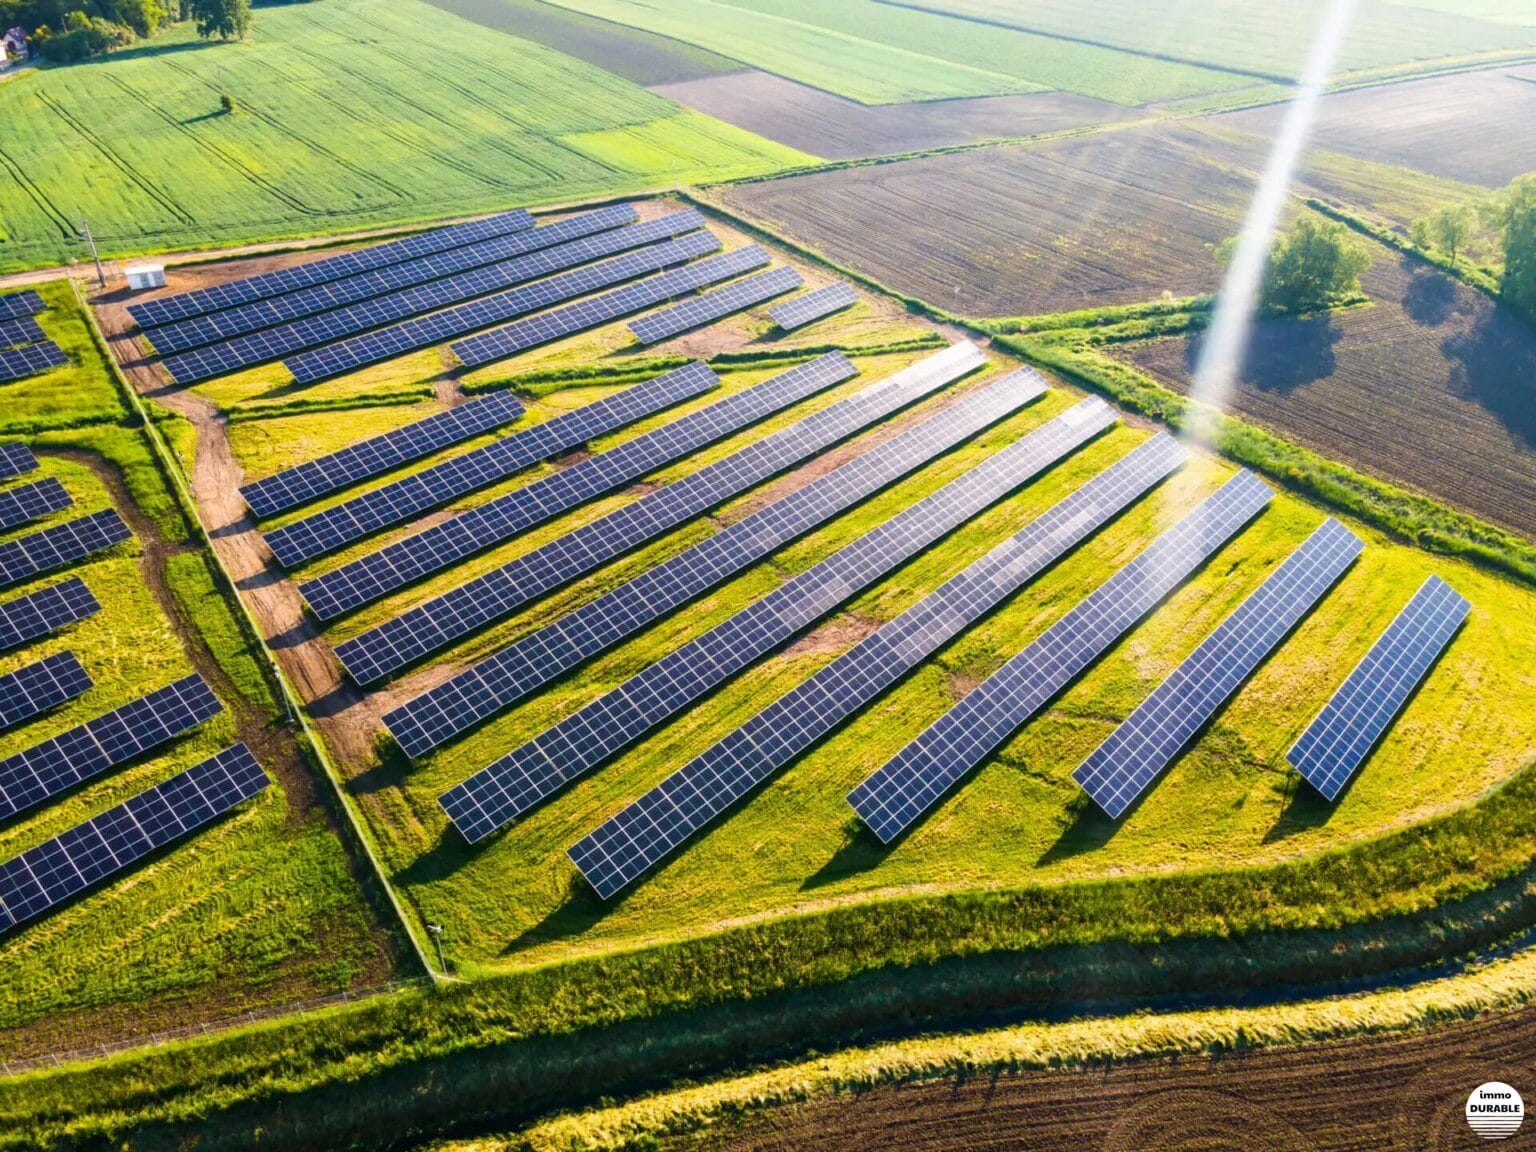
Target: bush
x=83 y=36
x=226 y=102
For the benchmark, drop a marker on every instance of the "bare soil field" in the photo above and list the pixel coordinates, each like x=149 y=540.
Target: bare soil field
x=1430 y=386
x=829 y=126
x=1400 y=1093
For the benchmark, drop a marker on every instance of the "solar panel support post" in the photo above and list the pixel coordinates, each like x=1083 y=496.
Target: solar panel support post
x=85 y=234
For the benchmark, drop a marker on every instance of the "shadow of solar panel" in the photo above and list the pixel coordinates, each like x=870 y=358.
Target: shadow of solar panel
x=53 y=767
x=1136 y=752
x=712 y=306
x=396 y=503
x=469 y=607
x=213 y=327
x=627 y=845
x=802 y=310
x=60 y=545
x=893 y=797
x=443 y=545
x=169 y=309
x=427 y=331
x=17 y=304
x=28 y=361
x=32 y=502
x=16 y=458
x=373 y=457
x=44 y=877
x=484 y=688
x=1338 y=741
x=549 y=326
x=576 y=745
x=20 y=330
x=35 y=688
x=342 y=323
x=45 y=611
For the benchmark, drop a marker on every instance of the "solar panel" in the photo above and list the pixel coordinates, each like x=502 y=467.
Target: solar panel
x=443 y=545
x=373 y=457
x=396 y=503
x=427 y=331
x=490 y=347
x=351 y=319
x=800 y=311
x=212 y=327
x=16 y=458
x=528 y=775
x=35 y=688
x=20 y=304
x=639 y=837
x=1338 y=741
x=28 y=361
x=712 y=306
x=44 y=877
x=463 y=610
x=48 y=769
x=21 y=330
x=892 y=798
x=169 y=309
x=491 y=685
x=45 y=611
x=62 y=544
x=28 y=502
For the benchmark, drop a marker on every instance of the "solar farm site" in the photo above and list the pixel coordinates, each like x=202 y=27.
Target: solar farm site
x=741 y=660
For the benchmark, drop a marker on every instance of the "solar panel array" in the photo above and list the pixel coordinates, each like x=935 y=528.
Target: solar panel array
x=45 y=611
x=341 y=323
x=627 y=845
x=373 y=457
x=528 y=775
x=28 y=361
x=48 y=769
x=62 y=544
x=426 y=331
x=489 y=347
x=802 y=310
x=20 y=330
x=273 y=310
x=28 y=502
x=169 y=309
x=35 y=688
x=445 y=544
x=892 y=798
x=44 y=877
x=20 y=304
x=712 y=306
x=16 y=458
x=1337 y=742
x=397 y=502
x=444 y=619
x=484 y=688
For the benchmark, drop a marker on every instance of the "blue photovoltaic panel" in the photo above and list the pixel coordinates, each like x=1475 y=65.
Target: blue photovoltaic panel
x=213 y=327
x=45 y=611
x=28 y=361
x=169 y=309
x=800 y=311
x=35 y=688
x=1122 y=767
x=469 y=607
x=484 y=688
x=44 y=877
x=315 y=478
x=16 y=458
x=48 y=769
x=892 y=798
x=532 y=773
x=639 y=837
x=1338 y=741
x=396 y=503
x=21 y=330
x=712 y=306
x=443 y=545
x=20 y=304
x=349 y=320
x=62 y=544
x=490 y=347
x=28 y=502
x=427 y=331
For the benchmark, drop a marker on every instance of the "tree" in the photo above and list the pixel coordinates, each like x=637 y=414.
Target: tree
x=1318 y=264
x=226 y=19
x=227 y=103
x=1519 y=285
x=1450 y=230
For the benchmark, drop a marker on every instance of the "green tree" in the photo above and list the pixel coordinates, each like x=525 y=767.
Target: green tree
x=226 y=19
x=1450 y=230
x=1519 y=284
x=1317 y=264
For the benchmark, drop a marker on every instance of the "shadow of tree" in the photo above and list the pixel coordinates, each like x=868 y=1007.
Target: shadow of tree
x=1493 y=364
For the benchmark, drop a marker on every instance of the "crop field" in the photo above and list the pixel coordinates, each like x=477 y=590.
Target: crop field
x=338 y=126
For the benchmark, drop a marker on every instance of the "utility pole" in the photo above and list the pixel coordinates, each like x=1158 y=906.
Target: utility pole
x=85 y=234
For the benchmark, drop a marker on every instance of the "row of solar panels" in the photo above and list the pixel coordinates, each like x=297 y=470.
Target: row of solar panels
x=24 y=349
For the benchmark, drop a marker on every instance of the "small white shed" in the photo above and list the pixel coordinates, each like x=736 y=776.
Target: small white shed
x=141 y=276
